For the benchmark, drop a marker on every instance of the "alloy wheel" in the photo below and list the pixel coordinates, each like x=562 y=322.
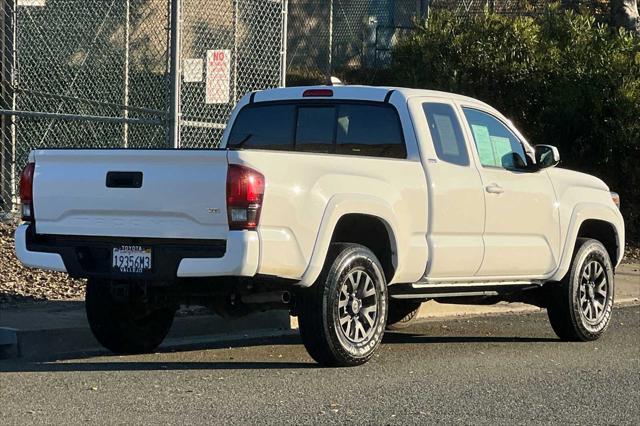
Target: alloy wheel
x=358 y=306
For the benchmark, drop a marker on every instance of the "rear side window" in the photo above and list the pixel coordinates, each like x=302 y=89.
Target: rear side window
x=446 y=133
x=329 y=127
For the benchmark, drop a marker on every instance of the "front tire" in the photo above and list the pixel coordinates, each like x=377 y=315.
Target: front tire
x=580 y=306
x=343 y=315
x=125 y=327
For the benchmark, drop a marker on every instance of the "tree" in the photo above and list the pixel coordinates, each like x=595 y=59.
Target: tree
x=625 y=14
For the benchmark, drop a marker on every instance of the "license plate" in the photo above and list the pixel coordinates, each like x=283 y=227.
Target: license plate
x=131 y=259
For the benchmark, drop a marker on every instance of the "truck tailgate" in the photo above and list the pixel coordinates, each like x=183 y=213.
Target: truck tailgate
x=181 y=194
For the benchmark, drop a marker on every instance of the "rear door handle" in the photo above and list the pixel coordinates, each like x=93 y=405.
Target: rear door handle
x=494 y=188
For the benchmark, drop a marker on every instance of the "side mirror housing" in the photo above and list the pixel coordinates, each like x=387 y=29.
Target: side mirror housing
x=546 y=156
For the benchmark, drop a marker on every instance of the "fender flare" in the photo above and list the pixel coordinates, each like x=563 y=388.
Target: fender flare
x=338 y=206
x=581 y=213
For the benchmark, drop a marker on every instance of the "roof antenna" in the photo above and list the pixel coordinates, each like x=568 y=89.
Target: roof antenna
x=335 y=81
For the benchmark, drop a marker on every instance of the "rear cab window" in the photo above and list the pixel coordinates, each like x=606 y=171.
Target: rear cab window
x=369 y=129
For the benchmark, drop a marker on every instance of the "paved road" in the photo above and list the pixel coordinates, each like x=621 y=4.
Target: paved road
x=507 y=370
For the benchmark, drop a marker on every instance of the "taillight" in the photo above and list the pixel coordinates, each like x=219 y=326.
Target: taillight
x=26 y=191
x=317 y=93
x=245 y=190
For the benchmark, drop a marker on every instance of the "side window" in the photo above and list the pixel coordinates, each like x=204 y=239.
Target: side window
x=314 y=129
x=497 y=146
x=446 y=133
x=369 y=130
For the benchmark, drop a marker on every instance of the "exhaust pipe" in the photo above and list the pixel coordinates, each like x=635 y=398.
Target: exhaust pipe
x=276 y=297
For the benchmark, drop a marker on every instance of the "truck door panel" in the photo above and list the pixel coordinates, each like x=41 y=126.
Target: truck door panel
x=456 y=200
x=521 y=233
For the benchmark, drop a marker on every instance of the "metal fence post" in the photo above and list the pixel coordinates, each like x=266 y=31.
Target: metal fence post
x=236 y=11
x=174 y=73
x=283 y=50
x=127 y=36
x=330 y=40
x=13 y=80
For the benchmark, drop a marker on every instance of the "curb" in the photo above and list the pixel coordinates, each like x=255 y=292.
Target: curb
x=8 y=343
x=47 y=344
x=441 y=311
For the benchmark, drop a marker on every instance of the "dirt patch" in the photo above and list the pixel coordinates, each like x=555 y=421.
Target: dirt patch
x=18 y=284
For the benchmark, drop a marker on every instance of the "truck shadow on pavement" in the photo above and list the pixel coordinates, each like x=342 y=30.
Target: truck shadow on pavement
x=61 y=367
x=404 y=337
x=131 y=364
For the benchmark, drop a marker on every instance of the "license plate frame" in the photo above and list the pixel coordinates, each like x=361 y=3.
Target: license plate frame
x=131 y=259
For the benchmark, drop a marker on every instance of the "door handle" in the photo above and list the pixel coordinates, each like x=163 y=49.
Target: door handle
x=494 y=188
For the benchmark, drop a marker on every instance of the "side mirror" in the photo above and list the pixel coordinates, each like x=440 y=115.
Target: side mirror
x=546 y=156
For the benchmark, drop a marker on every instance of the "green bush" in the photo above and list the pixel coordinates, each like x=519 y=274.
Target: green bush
x=563 y=79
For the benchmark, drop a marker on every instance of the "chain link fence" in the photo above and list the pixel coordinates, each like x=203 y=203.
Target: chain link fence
x=82 y=74
x=326 y=37
x=228 y=50
x=333 y=37
x=128 y=73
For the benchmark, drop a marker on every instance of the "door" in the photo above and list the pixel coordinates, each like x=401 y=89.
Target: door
x=521 y=235
x=456 y=201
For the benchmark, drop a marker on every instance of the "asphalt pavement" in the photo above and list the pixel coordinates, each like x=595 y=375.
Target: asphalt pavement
x=507 y=369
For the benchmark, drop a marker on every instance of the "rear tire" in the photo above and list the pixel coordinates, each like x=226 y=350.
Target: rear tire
x=580 y=306
x=343 y=315
x=125 y=328
x=402 y=313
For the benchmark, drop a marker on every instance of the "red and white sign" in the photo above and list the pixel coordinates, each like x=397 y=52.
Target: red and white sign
x=218 y=76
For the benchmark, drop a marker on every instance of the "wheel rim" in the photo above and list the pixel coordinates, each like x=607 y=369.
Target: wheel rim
x=594 y=291
x=358 y=306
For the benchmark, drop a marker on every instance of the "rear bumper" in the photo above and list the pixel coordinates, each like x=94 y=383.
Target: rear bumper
x=85 y=257
x=240 y=259
x=36 y=259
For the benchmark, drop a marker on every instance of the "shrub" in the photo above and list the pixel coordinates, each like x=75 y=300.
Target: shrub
x=563 y=79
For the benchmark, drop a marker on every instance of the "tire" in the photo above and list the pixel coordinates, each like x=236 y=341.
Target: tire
x=125 y=328
x=580 y=306
x=402 y=313
x=343 y=315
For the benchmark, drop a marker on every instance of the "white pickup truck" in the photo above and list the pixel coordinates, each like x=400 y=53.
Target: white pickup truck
x=348 y=206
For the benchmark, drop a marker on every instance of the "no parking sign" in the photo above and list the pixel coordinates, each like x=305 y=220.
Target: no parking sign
x=218 y=76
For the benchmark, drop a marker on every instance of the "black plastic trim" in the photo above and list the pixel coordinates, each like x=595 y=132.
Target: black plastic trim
x=124 y=180
x=90 y=257
x=388 y=97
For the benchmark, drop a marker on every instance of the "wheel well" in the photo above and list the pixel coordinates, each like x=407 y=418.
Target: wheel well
x=603 y=232
x=370 y=231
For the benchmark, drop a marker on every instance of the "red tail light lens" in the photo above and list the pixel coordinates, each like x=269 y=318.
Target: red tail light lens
x=245 y=190
x=26 y=191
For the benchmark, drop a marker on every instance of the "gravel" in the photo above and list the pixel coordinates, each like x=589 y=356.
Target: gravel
x=19 y=284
